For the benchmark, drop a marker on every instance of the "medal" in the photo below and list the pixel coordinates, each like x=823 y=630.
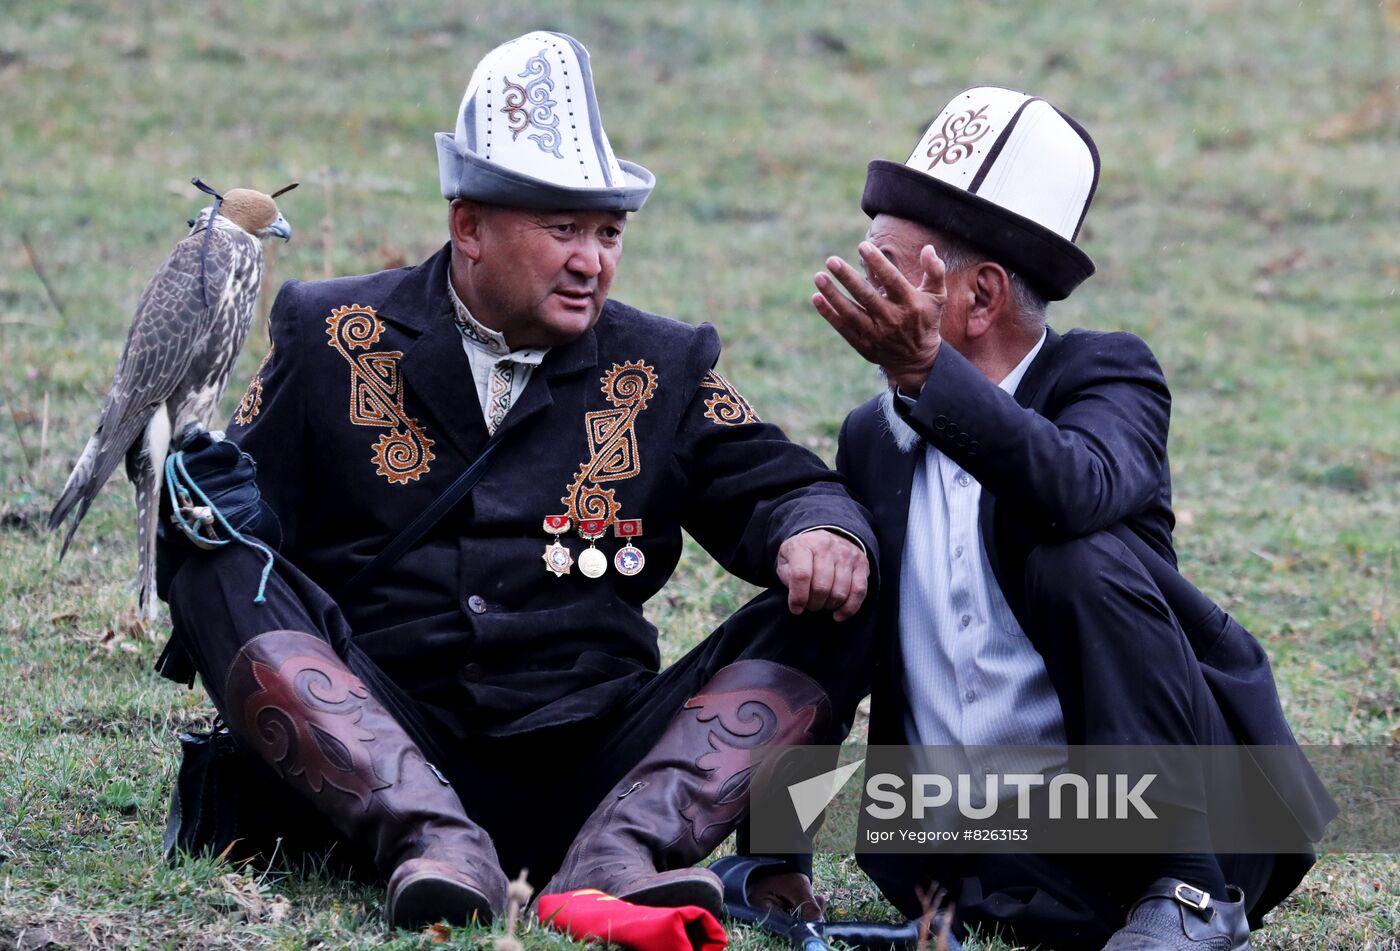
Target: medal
x=593 y=563
x=629 y=559
x=557 y=559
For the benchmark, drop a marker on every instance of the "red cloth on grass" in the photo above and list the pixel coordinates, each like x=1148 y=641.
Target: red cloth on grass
x=588 y=913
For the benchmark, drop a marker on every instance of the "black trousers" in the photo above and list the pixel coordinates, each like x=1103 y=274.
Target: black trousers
x=531 y=792
x=1125 y=675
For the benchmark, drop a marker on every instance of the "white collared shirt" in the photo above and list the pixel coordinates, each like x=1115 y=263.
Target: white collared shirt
x=500 y=373
x=970 y=673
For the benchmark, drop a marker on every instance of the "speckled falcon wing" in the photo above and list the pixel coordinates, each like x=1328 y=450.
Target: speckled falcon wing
x=166 y=332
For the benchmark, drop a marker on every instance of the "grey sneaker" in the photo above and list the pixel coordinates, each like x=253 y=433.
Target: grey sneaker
x=1175 y=916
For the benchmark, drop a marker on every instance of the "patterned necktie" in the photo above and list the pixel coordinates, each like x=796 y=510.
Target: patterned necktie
x=498 y=394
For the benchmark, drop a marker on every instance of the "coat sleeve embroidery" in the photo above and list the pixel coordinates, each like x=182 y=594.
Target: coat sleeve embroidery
x=253 y=396
x=376 y=394
x=726 y=407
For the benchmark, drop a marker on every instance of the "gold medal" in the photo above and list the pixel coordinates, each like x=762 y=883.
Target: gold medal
x=557 y=559
x=629 y=559
x=593 y=563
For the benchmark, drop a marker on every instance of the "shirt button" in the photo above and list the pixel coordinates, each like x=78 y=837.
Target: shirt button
x=964 y=480
x=957 y=552
x=477 y=604
x=966 y=620
x=970 y=696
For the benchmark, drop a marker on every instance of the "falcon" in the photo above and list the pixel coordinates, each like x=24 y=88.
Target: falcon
x=189 y=327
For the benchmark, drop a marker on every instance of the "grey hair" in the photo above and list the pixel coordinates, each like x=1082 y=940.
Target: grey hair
x=904 y=436
x=1030 y=305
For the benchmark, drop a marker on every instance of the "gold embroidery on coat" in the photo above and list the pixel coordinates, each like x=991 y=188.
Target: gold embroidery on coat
x=612 y=443
x=726 y=407
x=252 y=397
x=376 y=394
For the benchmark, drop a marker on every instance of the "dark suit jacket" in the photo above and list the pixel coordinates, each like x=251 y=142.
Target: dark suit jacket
x=1080 y=448
x=365 y=411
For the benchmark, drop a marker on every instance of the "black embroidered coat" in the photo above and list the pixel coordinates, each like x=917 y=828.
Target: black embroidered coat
x=365 y=410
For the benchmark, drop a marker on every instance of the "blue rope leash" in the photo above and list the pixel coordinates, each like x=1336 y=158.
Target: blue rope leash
x=179 y=484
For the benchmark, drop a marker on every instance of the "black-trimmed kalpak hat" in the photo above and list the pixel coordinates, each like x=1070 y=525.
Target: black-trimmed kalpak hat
x=1006 y=172
x=529 y=134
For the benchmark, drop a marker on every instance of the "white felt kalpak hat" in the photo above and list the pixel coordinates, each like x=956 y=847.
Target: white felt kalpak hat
x=1006 y=172
x=529 y=134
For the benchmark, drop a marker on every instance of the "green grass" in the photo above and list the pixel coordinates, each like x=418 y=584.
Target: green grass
x=1246 y=226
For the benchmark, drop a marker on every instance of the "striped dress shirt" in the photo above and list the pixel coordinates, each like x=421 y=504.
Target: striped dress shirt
x=971 y=675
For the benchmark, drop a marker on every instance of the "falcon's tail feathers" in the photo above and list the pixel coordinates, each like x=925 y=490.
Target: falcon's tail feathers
x=94 y=467
x=78 y=493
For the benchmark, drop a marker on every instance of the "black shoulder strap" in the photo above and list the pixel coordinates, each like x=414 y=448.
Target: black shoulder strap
x=417 y=528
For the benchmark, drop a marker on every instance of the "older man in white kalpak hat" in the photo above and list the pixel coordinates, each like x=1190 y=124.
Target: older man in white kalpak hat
x=1019 y=485
x=475 y=473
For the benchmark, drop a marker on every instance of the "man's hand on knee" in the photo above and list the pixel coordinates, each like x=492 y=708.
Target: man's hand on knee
x=823 y=571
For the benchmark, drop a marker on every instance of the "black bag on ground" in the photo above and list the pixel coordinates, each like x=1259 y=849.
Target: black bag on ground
x=228 y=804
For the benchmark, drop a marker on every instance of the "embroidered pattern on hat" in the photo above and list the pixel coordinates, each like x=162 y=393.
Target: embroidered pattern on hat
x=252 y=397
x=612 y=443
x=376 y=394
x=959 y=134
x=529 y=106
x=727 y=407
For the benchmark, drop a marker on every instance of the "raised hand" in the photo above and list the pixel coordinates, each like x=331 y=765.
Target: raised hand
x=887 y=319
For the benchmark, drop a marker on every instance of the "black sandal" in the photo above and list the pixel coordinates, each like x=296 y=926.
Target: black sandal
x=735 y=870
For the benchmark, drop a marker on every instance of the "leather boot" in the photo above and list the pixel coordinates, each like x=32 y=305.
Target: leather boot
x=686 y=795
x=1175 y=916
x=293 y=702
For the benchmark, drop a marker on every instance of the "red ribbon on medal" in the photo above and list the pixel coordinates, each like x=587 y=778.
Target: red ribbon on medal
x=629 y=559
x=557 y=559
x=593 y=563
